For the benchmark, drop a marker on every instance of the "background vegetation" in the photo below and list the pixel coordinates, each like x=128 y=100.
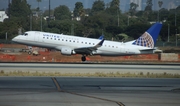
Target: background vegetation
x=106 y=19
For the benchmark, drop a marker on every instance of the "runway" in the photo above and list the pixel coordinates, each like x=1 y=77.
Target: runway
x=89 y=68
x=76 y=91
x=89 y=91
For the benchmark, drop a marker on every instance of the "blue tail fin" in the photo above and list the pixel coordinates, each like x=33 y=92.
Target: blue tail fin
x=148 y=39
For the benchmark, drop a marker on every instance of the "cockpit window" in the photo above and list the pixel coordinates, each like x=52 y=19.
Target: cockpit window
x=26 y=34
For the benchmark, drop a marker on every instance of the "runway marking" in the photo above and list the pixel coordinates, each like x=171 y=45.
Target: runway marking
x=60 y=90
x=56 y=83
x=119 y=103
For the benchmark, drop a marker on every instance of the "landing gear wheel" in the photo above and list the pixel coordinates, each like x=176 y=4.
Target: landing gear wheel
x=29 y=52
x=83 y=58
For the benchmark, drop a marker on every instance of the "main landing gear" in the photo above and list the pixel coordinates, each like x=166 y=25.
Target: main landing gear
x=83 y=58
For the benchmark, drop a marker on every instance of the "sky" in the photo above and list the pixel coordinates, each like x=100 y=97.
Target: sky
x=124 y=4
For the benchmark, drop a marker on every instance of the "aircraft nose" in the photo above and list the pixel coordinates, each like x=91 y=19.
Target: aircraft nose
x=15 y=39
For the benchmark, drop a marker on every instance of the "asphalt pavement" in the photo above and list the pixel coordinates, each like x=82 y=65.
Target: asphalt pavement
x=79 y=91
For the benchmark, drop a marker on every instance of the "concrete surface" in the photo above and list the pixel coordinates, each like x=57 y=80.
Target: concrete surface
x=89 y=68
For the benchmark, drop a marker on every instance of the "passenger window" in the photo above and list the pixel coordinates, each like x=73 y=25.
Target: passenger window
x=26 y=34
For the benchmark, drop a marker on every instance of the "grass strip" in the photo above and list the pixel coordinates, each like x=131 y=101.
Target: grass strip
x=96 y=74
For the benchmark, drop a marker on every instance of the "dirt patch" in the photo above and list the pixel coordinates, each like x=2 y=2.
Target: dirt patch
x=55 y=56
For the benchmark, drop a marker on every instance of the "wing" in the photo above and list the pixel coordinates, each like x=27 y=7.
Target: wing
x=88 y=50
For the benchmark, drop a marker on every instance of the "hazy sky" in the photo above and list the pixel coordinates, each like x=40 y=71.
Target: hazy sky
x=124 y=4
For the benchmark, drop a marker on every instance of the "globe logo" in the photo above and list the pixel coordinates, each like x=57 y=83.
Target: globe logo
x=145 y=40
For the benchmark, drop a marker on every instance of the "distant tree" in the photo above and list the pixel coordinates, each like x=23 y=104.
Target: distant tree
x=19 y=12
x=139 y=13
x=115 y=4
x=38 y=4
x=93 y=25
x=148 y=5
x=160 y=4
x=79 y=9
x=62 y=12
x=87 y=11
x=164 y=13
x=136 y=30
x=46 y=12
x=164 y=32
x=60 y=26
x=114 y=7
x=133 y=7
x=19 y=8
x=78 y=28
x=114 y=30
x=98 y=6
x=10 y=26
x=148 y=10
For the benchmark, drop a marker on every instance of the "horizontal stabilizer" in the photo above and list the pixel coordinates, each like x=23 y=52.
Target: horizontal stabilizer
x=147 y=49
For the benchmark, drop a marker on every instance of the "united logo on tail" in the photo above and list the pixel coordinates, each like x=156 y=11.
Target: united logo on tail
x=148 y=39
x=145 y=40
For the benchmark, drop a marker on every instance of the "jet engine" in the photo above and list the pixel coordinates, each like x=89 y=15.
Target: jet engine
x=67 y=51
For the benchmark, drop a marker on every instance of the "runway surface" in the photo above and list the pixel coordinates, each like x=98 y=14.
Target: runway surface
x=75 y=91
x=89 y=68
x=81 y=91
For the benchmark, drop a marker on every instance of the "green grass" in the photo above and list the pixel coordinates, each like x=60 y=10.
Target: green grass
x=96 y=74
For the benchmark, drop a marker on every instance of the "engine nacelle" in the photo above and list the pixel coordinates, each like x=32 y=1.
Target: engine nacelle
x=67 y=51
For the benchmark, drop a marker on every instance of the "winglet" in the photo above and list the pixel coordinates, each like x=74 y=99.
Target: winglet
x=101 y=37
x=148 y=39
x=100 y=43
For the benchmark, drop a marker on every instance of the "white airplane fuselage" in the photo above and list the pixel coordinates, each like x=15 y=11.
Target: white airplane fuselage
x=60 y=41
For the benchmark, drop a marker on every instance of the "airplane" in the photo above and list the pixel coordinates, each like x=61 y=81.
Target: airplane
x=71 y=45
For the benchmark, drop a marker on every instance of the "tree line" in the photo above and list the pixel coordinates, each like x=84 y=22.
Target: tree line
x=106 y=19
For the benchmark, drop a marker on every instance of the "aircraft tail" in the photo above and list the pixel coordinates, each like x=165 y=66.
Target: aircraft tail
x=148 y=39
